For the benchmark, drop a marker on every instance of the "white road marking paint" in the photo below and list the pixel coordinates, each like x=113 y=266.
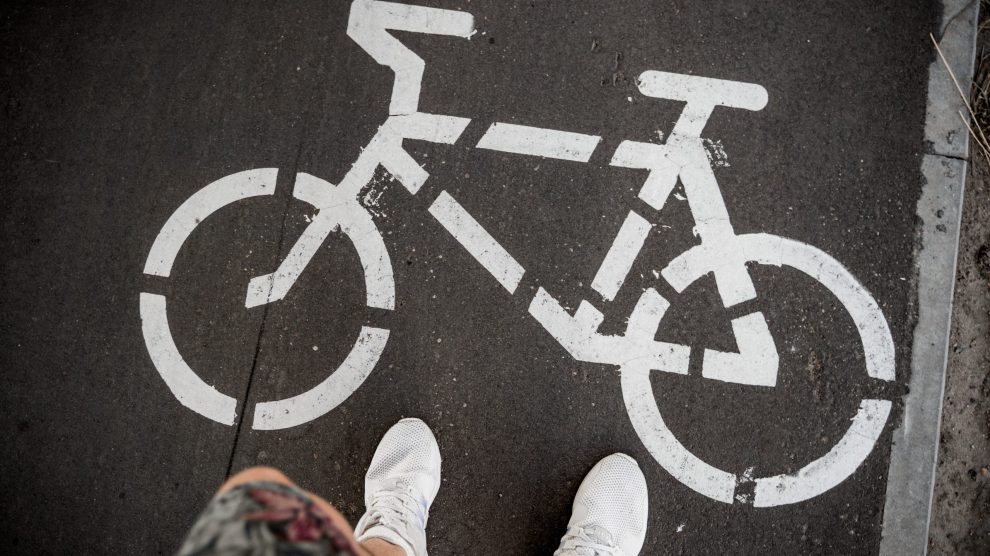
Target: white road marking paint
x=702 y=95
x=773 y=250
x=621 y=255
x=724 y=254
x=324 y=397
x=340 y=209
x=369 y=24
x=385 y=149
x=641 y=405
x=685 y=158
x=702 y=90
x=479 y=243
x=403 y=167
x=857 y=443
x=663 y=174
x=712 y=222
x=579 y=334
x=716 y=153
x=275 y=286
x=185 y=384
x=422 y=127
x=334 y=212
x=203 y=203
x=337 y=211
x=757 y=361
x=427 y=127
x=832 y=468
x=636 y=352
x=538 y=141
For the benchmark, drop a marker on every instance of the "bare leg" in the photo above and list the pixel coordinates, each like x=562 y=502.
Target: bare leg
x=379 y=547
x=371 y=547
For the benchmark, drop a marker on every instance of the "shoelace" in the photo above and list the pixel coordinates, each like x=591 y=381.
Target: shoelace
x=394 y=508
x=586 y=541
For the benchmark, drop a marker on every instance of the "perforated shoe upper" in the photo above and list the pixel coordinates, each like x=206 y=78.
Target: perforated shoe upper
x=401 y=484
x=610 y=510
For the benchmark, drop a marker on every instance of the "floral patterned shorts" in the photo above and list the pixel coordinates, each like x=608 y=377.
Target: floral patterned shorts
x=263 y=518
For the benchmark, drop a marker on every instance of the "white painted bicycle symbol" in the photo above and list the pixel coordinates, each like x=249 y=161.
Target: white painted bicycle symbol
x=721 y=252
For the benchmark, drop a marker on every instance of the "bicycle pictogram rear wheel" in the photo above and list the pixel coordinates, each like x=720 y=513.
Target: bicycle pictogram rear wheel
x=344 y=214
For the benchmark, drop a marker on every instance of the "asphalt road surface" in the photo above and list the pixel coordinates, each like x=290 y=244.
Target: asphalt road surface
x=115 y=115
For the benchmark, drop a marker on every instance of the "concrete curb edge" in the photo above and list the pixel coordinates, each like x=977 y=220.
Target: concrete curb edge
x=914 y=451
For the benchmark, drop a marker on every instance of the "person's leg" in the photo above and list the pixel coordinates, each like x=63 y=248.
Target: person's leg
x=400 y=486
x=254 y=475
x=609 y=513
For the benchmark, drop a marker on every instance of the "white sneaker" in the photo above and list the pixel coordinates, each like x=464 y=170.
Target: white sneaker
x=608 y=517
x=400 y=486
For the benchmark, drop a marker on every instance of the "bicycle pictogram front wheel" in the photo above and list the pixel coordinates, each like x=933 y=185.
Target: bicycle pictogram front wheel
x=852 y=448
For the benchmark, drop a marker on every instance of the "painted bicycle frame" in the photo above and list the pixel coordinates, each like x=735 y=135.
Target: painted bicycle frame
x=682 y=157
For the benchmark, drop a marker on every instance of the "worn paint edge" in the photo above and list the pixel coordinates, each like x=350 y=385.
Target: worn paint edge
x=914 y=449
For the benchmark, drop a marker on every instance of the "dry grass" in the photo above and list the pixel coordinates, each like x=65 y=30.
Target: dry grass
x=977 y=102
x=976 y=117
x=980 y=93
